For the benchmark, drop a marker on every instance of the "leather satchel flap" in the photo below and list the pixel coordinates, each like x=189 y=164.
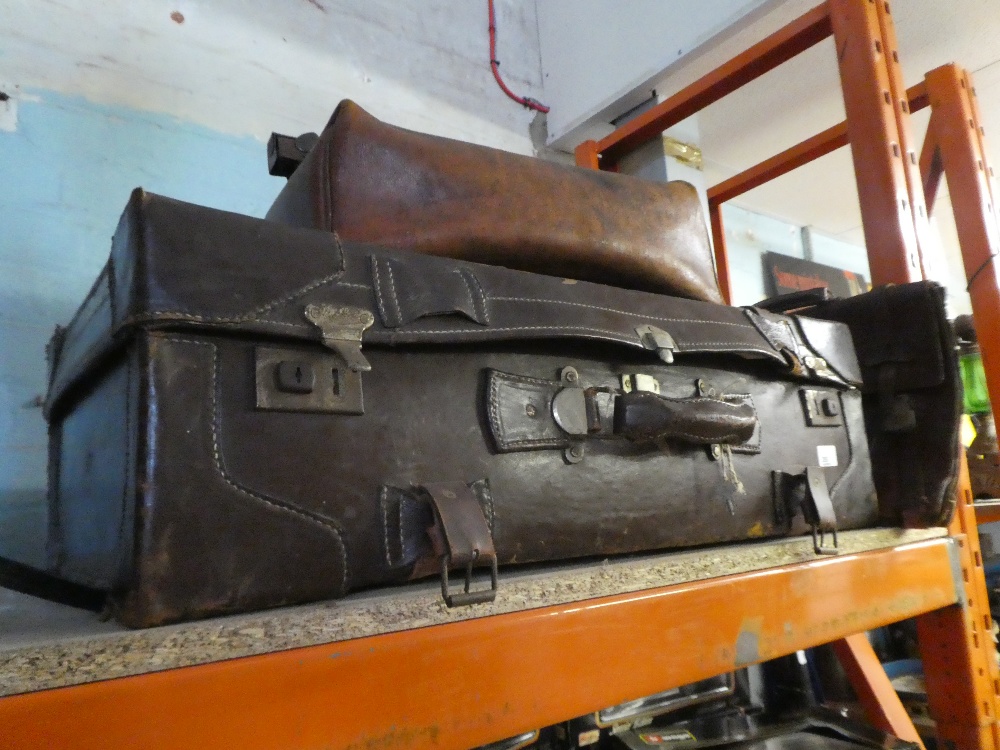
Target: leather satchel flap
x=373 y=182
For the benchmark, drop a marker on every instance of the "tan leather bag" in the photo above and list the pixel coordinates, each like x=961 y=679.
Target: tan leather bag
x=373 y=182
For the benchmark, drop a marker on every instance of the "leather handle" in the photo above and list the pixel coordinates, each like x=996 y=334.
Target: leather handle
x=643 y=415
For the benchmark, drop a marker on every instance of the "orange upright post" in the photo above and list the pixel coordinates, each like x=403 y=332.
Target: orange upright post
x=881 y=703
x=875 y=130
x=963 y=681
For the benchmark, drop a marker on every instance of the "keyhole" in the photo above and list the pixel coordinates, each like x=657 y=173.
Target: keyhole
x=336 y=382
x=298 y=375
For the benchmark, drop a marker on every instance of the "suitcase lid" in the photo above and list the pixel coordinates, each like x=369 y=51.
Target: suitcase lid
x=181 y=266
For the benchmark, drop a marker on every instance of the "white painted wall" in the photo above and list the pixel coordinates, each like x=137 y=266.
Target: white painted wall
x=600 y=57
x=241 y=67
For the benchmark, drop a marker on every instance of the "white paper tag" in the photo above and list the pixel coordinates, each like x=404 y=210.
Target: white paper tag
x=826 y=455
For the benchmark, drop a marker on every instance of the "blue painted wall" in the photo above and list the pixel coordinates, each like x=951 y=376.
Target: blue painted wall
x=66 y=172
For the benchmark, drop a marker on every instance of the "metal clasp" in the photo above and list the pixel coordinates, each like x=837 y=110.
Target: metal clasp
x=467 y=596
x=341 y=329
x=658 y=340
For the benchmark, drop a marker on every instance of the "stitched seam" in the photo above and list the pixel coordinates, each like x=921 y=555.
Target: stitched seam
x=383 y=310
x=495 y=419
x=242 y=317
x=620 y=312
x=399 y=526
x=325 y=524
x=478 y=297
x=539 y=442
x=496 y=379
x=615 y=334
x=484 y=486
x=392 y=291
x=748 y=447
x=383 y=501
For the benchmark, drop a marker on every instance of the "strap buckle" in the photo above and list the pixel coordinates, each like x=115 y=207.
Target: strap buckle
x=468 y=596
x=817 y=507
x=462 y=538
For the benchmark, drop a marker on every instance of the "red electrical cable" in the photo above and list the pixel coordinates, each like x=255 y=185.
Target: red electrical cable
x=525 y=101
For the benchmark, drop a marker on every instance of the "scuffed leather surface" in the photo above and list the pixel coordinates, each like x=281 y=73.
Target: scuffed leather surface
x=242 y=509
x=373 y=182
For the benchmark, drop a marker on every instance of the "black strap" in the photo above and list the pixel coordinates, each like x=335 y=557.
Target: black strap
x=27 y=580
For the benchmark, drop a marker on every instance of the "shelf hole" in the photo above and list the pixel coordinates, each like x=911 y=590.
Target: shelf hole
x=982 y=671
x=975 y=638
x=972 y=124
x=986 y=622
x=886 y=6
x=885 y=95
x=962 y=82
x=961 y=542
x=980 y=163
x=965 y=575
x=878 y=46
x=895 y=56
x=996 y=686
x=895 y=150
x=904 y=105
x=978 y=559
x=920 y=210
x=904 y=204
x=913 y=158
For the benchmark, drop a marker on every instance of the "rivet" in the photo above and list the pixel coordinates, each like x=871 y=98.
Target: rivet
x=576 y=451
x=572 y=376
x=530 y=410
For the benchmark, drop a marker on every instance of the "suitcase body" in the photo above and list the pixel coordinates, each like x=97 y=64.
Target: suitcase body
x=231 y=430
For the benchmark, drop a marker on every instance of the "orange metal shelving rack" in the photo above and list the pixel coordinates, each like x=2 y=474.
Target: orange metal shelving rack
x=959 y=654
x=467 y=683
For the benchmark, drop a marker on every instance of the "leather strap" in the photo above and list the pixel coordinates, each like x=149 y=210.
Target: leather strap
x=404 y=293
x=461 y=537
x=464 y=534
x=27 y=580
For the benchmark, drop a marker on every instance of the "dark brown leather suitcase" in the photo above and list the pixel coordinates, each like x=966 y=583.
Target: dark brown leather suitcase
x=373 y=182
x=244 y=415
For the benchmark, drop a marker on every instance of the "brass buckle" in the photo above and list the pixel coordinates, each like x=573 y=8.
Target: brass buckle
x=479 y=596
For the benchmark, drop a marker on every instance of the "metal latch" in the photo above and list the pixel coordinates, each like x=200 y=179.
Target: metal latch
x=640 y=382
x=341 y=329
x=658 y=340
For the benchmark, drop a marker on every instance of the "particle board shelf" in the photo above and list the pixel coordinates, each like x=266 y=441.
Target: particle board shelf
x=398 y=669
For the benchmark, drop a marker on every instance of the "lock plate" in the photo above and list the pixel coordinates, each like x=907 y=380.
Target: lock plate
x=822 y=407
x=306 y=380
